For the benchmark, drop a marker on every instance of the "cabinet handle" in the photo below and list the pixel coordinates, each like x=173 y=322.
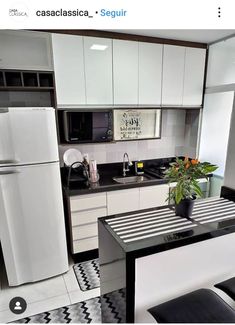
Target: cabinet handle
x=4 y=110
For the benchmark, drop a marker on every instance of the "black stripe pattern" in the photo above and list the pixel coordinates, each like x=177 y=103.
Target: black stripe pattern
x=136 y=226
x=213 y=209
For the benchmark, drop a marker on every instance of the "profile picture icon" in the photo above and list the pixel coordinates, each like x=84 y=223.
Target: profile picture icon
x=17 y=305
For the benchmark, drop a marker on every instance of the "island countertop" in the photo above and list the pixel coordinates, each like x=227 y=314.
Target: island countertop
x=160 y=229
x=150 y=256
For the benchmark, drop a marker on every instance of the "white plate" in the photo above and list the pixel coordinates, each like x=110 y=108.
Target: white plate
x=71 y=156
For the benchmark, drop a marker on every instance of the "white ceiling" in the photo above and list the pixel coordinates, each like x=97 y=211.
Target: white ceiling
x=193 y=35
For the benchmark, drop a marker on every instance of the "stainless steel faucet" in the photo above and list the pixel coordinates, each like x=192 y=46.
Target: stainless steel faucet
x=129 y=163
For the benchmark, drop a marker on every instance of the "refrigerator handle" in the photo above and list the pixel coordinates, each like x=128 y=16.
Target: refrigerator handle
x=4 y=110
x=9 y=172
x=8 y=162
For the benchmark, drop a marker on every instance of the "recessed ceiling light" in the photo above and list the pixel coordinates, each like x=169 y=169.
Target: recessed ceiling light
x=98 y=47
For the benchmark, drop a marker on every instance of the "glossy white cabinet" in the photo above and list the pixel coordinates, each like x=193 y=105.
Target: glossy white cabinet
x=98 y=71
x=173 y=75
x=25 y=50
x=84 y=213
x=86 y=209
x=125 y=72
x=122 y=201
x=221 y=67
x=152 y=196
x=69 y=70
x=194 y=76
x=150 y=73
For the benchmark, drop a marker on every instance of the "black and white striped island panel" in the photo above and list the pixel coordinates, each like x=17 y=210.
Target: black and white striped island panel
x=146 y=242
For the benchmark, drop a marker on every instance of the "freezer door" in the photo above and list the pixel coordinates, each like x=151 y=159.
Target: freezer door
x=32 y=229
x=27 y=136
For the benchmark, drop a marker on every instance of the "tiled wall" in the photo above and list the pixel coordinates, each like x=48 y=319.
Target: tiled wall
x=177 y=135
x=191 y=134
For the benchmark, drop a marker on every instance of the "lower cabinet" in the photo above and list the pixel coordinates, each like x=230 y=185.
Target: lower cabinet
x=84 y=212
x=152 y=196
x=86 y=209
x=123 y=201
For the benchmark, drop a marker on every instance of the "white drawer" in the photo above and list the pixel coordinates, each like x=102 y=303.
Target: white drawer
x=85 y=245
x=86 y=202
x=85 y=231
x=89 y=216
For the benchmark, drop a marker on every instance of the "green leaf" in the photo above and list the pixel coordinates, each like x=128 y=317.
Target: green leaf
x=178 y=194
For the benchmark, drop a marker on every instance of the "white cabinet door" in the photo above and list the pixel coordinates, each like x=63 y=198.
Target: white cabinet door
x=98 y=70
x=173 y=75
x=153 y=196
x=25 y=50
x=150 y=73
x=125 y=72
x=221 y=67
x=69 y=70
x=123 y=201
x=194 y=76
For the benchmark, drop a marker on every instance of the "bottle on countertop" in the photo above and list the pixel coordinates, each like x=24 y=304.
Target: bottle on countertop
x=139 y=167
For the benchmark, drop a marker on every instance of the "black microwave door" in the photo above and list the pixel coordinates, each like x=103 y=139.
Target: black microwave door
x=101 y=126
x=80 y=126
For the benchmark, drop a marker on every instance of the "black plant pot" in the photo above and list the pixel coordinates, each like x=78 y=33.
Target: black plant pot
x=184 y=208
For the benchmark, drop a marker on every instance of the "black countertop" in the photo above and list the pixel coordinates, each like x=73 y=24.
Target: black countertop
x=106 y=182
x=108 y=171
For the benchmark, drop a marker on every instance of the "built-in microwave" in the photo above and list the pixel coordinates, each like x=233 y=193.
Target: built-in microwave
x=88 y=126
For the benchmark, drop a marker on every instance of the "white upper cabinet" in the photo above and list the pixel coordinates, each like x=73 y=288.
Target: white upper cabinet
x=150 y=73
x=173 y=75
x=221 y=63
x=98 y=70
x=25 y=50
x=125 y=72
x=69 y=70
x=194 y=76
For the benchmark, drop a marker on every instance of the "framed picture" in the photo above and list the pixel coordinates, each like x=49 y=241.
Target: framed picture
x=137 y=124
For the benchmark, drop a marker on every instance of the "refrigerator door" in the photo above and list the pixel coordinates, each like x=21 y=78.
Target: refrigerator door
x=27 y=136
x=32 y=230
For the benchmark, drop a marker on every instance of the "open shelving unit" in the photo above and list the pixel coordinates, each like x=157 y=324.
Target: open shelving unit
x=26 y=88
x=25 y=80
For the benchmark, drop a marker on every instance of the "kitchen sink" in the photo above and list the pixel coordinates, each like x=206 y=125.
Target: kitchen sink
x=130 y=179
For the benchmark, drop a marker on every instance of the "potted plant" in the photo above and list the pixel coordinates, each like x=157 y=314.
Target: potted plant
x=186 y=172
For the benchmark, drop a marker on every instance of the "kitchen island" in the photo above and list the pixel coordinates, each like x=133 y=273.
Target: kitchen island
x=151 y=256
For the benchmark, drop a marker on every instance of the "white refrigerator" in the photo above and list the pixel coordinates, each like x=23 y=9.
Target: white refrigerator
x=32 y=229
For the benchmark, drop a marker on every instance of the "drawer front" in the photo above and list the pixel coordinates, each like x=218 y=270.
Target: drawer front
x=123 y=201
x=86 y=202
x=85 y=245
x=89 y=216
x=81 y=232
x=153 y=196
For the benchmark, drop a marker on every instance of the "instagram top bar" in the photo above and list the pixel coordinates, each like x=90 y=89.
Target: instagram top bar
x=96 y=14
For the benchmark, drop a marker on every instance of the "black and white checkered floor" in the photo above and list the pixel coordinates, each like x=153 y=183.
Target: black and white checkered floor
x=88 y=311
